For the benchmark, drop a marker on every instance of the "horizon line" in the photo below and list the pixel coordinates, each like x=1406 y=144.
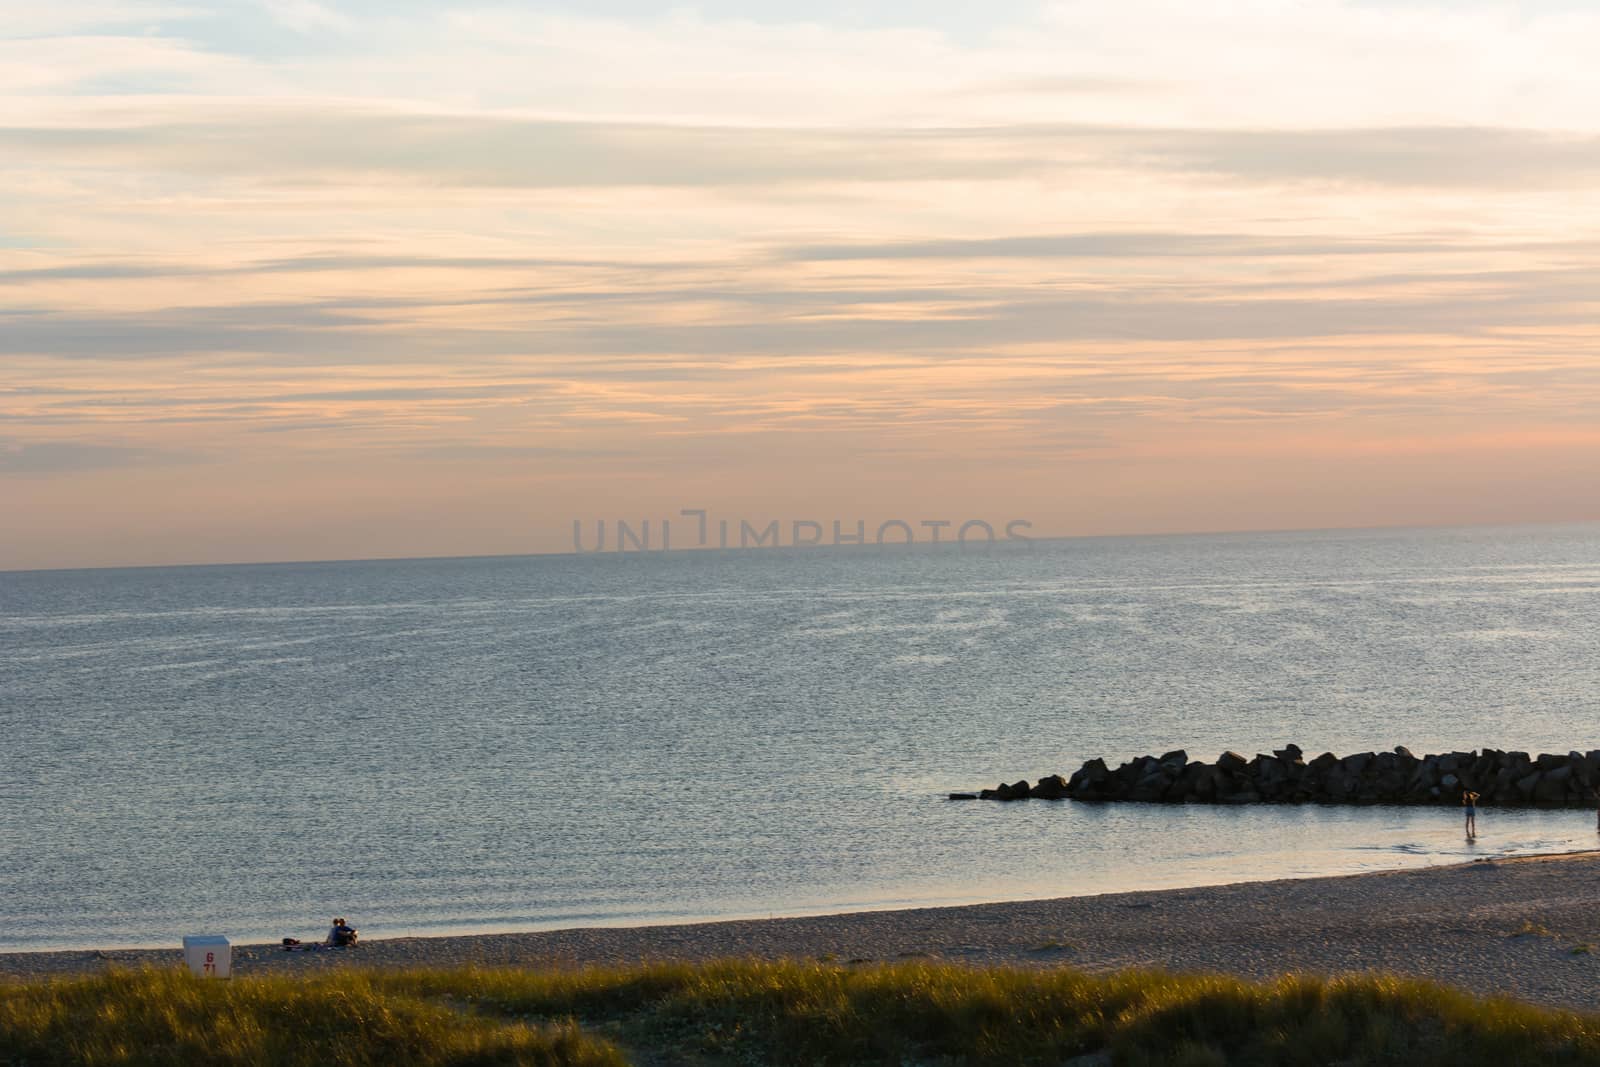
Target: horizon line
x=709 y=549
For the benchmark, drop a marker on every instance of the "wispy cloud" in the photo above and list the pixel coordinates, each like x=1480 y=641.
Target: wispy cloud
x=49 y=457
x=1133 y=245
x=319 y=147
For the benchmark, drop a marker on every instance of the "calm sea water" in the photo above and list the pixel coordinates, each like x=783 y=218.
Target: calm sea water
x=486 y=744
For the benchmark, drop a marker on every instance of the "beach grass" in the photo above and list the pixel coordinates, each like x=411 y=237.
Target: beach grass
x=780 y=1013
x=346 y=1018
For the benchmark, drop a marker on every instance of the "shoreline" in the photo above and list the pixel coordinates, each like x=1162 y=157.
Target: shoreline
x=1528 y=926
x=687 y=916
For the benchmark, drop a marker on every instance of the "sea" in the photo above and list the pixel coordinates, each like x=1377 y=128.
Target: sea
x=445 y=746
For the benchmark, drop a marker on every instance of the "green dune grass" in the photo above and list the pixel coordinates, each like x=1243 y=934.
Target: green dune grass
x=781 y=1013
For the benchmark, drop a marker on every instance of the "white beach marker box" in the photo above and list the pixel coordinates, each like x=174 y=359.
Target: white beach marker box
x=208 y=955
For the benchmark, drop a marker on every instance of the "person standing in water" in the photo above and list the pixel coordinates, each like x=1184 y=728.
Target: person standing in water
x=1469 y=801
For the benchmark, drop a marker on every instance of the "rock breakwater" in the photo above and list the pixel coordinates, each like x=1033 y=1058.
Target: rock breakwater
x=1286 y=776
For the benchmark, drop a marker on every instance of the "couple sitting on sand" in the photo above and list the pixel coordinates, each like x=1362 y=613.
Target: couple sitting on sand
x=341 y=935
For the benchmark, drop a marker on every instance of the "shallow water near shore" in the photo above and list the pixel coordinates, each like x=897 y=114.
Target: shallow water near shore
x=442 y=746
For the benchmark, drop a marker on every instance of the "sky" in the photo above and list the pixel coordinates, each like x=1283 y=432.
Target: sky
x=290 y=279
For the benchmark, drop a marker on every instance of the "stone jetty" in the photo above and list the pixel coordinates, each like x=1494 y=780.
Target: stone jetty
x=1286 y=776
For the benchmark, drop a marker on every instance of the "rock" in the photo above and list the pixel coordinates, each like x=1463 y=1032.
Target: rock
x=1270 y=776
x=1009 y=792
x=1152 y=787
x=1206 y=782
x=1177 y=792
x=1129 y=773
x=1551 y=791
x=1395 y=777
x=1087 y=780
x=1050 y=787
x=1590 y=770
x=1231 y=762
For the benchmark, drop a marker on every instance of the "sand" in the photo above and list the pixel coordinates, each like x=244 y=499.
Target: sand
x=1519 y=926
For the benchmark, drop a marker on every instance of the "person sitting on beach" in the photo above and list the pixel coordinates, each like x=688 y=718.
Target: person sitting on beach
x=341 y=935
x=1469 y=800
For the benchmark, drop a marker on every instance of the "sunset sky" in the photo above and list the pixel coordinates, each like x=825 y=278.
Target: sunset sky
x=301 y=280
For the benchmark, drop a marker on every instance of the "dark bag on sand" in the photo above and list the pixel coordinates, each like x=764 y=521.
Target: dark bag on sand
x=290 y=942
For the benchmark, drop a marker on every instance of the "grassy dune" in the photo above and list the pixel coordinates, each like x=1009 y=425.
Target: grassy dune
x=783 y=1013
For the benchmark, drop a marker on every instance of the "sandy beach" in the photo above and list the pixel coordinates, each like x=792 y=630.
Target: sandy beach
x=1528 y=927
